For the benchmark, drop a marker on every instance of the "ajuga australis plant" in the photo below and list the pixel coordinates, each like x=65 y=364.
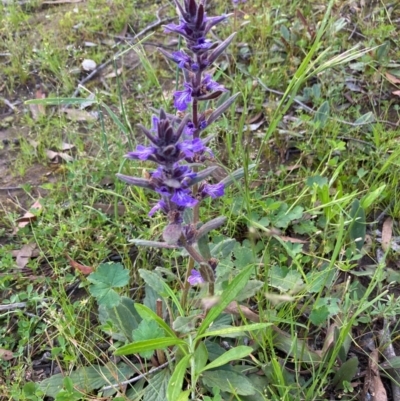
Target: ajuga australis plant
x=179 y=148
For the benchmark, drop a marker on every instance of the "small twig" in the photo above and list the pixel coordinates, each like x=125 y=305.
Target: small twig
x=137 y=378
x=155 y=24
x=10 y=188
x=17 y=305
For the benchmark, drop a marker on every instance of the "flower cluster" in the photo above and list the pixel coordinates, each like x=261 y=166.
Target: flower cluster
x=174 y=142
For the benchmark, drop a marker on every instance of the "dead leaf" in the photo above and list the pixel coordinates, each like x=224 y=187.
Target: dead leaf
x=396 y=93
x=79 y=115
x=387 y=230
x=114 y=73
x=392 y=79
x=6 y=355
x=292 y=240
x=38 y=110
x=376 y=387
x=25 y=254
x=28 y=217
x=77 y=266
x=57 y=157
x=66 y=146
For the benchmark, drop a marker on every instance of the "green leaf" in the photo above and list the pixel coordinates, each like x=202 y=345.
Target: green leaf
x=345 y=373
x=233 y=354
x=104 y=279
x=227 y=331
x=87 y=378
x=249 y=290
x=229 y=295
x=371 y=197
x=156 y=389
x=185 y=324
x=200 y=357
x=322 y=115
x=285 y=280
x=358 y=226
x=116 y=120
x=124 y=317
x=317 y=180
x=228 y=381
x=366 y=118
x=153 y=280
x=176 y=381
x=319 y=315
x=148 y=345
x=223 y=248
x=147 y=330
x=148 y=314
x=183 y=396
x=56 y=101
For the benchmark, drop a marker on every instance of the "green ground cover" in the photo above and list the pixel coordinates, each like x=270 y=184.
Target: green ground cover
x=310 y=246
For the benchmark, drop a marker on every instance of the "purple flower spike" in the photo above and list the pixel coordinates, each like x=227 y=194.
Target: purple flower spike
x=181 y=58
x=182 y=197
x=183 y=98
x=195 y=278
x=215 y=191
x=212 y=86
x=141 y=153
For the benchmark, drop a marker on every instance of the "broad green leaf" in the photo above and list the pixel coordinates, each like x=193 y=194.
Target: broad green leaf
x=228 y=381
x=176 y=381
x=148 y=345
x=233 y=354
x=358 y=226
x=249 y=290
x=226 y=331
x=322 y=115
x=148 y=314
x=124 y=317
x=200 y=357
x=345 y=373
x=183 y=396
x=366 y=118
x=147 y=330
x=319 y=315
x=185 y=324
x=104 y=279
x=156 y=389
x=223 y=248
x=285 y=280
x=229 y=295
x=317 y=180
x=153 y=280
x=87 y=378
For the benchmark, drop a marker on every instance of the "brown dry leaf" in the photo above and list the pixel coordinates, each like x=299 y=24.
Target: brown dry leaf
x=77 y=266
x=28 y=216
x=38 y=110
x=376 y=386
x=114 y=73
x=24 y=254
x=392 y=79
x=79 y=115
x=396 y=93
x=57 y=157
x=67 y=146
x=387 y=231
x=6 y=355
x=292 y=240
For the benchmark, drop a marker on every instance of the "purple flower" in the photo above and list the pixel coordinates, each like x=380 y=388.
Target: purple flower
x=142 y=153
x=201 y=44
x=182 y=197
x=181 y=58
x=195 y=278
x=190 y=147
x=212 y=21
x=160 y=205
x=183 y=98
x=209 y=85
x=179 y=29
x=213 y=190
